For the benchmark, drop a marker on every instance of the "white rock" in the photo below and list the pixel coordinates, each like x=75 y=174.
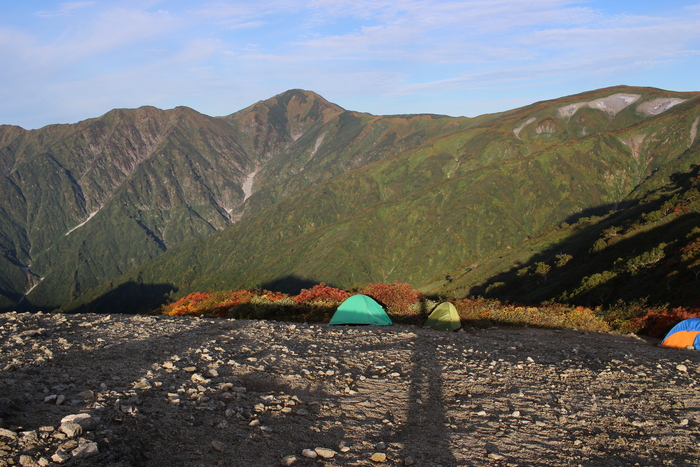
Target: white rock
x=71 y=429
x=309 y=453
x=325 y=452
x=85 y=420
x=682 y=368
x=85 y=450
x=288 y=460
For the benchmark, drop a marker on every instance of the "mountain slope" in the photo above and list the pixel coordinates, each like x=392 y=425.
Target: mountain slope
x=461 y=197
x=85 y=203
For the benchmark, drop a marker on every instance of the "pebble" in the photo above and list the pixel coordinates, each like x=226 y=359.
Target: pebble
x=496 y=457
x=288 y=460
x=71 y=429
x=86 y=421
x=309 y=453
x=378 y=457
x=682 y=368
x=85 y=450
x=325 y=453
x=61 y=457
x=218 y=446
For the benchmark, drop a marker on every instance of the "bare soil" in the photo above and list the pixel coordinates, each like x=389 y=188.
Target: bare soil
x=188 y=392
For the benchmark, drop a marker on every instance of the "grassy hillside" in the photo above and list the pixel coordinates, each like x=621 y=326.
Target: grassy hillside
x=461 y=211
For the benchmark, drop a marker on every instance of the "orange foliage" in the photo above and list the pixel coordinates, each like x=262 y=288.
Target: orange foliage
x=396 y=297
x=321 y=293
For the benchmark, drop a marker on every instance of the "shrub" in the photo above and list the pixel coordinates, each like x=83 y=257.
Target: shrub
x=657 y=323
x=396 y=298
x=321 y=293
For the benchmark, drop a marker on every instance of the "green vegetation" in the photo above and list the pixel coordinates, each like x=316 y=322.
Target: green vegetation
x=588 y=209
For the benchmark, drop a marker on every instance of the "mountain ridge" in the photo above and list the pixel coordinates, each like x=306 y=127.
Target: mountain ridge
x=136 y=183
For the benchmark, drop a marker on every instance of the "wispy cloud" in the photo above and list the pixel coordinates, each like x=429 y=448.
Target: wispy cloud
x=64 y=9
x=222 y=55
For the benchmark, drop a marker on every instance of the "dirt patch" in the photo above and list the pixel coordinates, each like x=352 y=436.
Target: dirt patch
x=166 y=391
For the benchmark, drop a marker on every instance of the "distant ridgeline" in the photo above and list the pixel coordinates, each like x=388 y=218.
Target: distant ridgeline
x=587 y=199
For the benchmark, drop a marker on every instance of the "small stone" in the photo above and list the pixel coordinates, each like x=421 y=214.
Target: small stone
x=190 y=369
x=218 y=446
x=495 y=456
x=86 y=395
x=26 y=461
x=409 y=461
x=60 y=399
x=378 y=457
x=481 y=413
x=85 y=450
x=71 y=429
x=61 y=457
x=343 y=447
x=325 y=453
x=685 y=422
x=682 y=368
x=43 y=462
x=143 y=384
x=197 y=378
x=255 y=422
x=213 y=373
x=288 y=460
x=85 y=420
x=381 y=446
x=578 y=442
x=50 y=399
x=7 y=433
x=515 y=414
x=309 y=453
x=302 y=412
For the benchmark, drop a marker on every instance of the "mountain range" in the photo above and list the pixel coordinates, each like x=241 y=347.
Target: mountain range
x=557 y=200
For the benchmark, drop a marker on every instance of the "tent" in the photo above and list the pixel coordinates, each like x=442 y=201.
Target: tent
x=444 y=318
x=684 y=334
x=360 y=309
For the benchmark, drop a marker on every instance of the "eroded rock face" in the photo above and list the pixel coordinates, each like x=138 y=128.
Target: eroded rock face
x=266 y=392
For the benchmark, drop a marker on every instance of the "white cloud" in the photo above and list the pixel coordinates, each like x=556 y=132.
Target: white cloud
x=64 y=9
x=127 y=52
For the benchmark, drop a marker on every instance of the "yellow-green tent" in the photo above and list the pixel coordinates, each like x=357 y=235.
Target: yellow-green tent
x=444 y=318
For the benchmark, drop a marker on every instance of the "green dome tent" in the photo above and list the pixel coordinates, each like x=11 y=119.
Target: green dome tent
x=444 y=318
x=360 y=309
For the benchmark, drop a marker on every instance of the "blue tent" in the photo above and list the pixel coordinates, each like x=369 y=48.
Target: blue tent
x=684 y=334
x=360 y=309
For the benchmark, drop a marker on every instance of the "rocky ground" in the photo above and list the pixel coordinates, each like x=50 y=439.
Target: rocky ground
x=123 y=390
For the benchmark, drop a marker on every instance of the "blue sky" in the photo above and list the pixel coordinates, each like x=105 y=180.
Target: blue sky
x=63 y=62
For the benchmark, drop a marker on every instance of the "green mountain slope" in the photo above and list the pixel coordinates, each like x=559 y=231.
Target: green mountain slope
x=467 y=196
x=84 y=203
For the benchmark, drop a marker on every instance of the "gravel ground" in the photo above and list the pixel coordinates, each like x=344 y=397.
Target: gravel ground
x=125 y=390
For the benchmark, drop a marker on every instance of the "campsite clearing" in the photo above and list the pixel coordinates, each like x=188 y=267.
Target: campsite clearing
x=179 y=391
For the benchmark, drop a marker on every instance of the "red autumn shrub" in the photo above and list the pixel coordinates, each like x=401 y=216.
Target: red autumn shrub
x=396 y=297
x=657 y=324
x=187 y=305
x=321 y=293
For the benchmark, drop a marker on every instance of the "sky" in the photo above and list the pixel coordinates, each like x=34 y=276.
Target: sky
x=63 y=62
